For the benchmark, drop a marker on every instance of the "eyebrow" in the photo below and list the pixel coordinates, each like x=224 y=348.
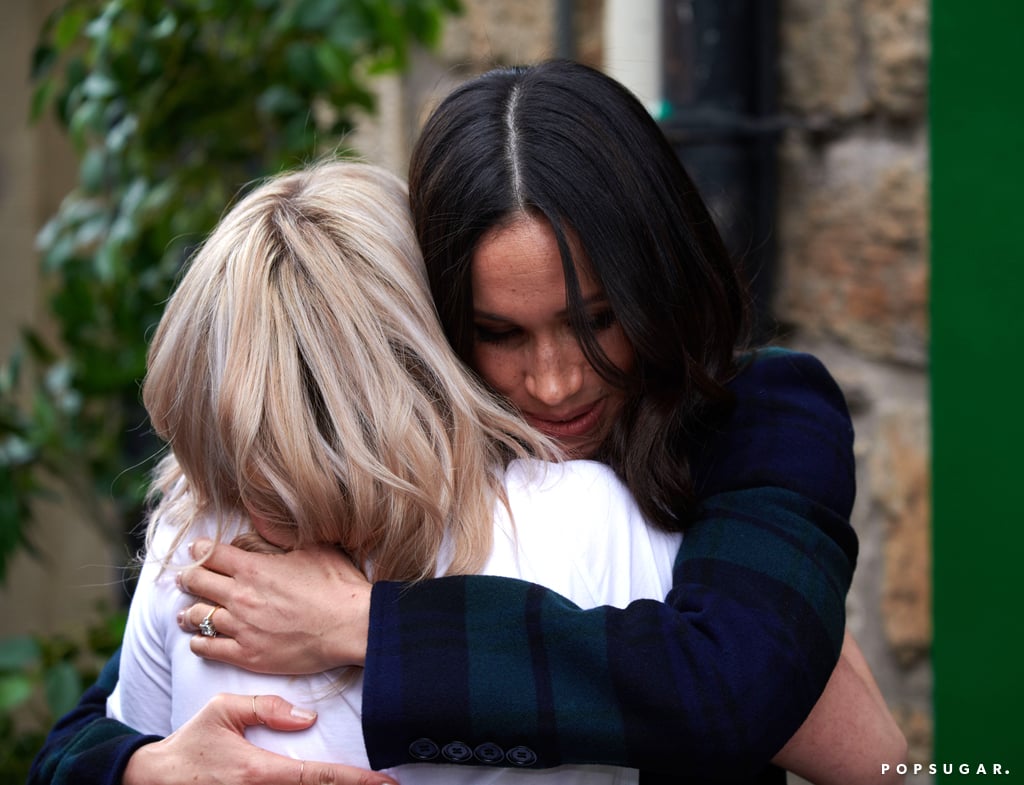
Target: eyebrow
x=594 y=299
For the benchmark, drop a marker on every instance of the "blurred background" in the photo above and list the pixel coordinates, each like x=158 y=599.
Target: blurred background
x=128 y=125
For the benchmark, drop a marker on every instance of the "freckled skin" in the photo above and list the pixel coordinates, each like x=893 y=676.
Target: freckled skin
x=524 y=346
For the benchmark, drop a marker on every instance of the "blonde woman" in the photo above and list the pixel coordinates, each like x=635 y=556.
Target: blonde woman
x=309 y=398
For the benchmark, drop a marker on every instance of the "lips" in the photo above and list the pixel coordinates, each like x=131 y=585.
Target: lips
x=570 y=426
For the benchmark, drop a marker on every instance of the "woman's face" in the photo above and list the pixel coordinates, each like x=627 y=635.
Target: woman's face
x=524 y=346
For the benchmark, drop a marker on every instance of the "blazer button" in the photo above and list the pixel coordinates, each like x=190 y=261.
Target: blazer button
x=489 y=752
x=521 y=756
x=457 y=752
x=423 y=749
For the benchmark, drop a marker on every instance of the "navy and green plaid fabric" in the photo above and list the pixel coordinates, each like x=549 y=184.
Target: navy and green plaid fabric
x=704 y=688
x=85 y=747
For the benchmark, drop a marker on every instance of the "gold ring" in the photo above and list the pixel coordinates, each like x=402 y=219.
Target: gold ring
x=206 y=628
x=302 y=770
x=255 y=714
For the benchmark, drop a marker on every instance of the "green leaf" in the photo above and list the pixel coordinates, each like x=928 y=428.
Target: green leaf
x=302 y=66
x=122 y=131
x=42 y=96
x=171 y=108
x=165 y=26
x=317 y=14
x=63 y=687
x=332 y=62
x=69 y=27
x=280 y=100
x=44 y=57
x=14 y=690
x=99 y=85
x=18 y=653
x=59 y=253
x=100 y=27
x=86 y=118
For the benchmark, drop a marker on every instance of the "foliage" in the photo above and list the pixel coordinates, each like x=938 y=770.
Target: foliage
x=172 y=107
x=41 y=678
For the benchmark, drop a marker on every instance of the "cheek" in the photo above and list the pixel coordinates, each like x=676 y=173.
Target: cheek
x=497 y=368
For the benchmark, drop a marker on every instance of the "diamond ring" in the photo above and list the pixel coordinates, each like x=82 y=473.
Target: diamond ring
x=206 y=628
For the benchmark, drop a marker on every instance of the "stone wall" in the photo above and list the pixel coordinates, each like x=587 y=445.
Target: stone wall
x=853 y=288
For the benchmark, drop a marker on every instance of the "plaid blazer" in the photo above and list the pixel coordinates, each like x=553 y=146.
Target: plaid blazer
x=705 y=687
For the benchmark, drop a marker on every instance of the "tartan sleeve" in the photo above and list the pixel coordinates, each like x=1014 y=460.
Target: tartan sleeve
x=84 y=747
x=710 y=683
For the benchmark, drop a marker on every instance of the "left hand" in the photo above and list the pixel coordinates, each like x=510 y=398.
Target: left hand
x=211 y=747
x=300 y=612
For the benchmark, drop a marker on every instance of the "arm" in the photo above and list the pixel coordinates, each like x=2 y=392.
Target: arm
x=849 y=732
x=84 y=746
x=732 y=663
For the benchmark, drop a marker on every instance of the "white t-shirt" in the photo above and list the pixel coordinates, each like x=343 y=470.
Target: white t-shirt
x=577 y=531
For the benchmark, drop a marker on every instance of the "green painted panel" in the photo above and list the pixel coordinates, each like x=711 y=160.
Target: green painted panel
x=977 y=149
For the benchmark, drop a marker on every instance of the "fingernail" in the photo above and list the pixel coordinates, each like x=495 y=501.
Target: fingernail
x=181 y=618
x=178 y=582
x=303 y=714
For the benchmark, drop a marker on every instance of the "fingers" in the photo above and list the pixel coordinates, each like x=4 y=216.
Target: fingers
x=288 y=770
x=222 y=650
x=190 y=618
x=277 y=713
x=211 y=747
x=214 y=578
x=337 y=774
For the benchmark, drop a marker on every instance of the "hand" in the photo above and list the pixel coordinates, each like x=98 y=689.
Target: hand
x=211 y=747
x=300 y=612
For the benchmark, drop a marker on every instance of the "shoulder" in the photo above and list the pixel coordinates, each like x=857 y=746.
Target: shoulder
x=790 y=428
x=169 y=546
x=578 y=484
x=776 y=373
x=579 y=531
x=578 y=502
x=554 y=478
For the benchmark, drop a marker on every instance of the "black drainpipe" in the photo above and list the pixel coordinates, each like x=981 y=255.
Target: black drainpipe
x=565 y=45
x=720 y=115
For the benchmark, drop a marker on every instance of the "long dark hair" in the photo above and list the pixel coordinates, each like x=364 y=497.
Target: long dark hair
x=565 y=143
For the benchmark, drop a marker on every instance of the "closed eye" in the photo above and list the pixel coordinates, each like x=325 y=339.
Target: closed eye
x=495 y=335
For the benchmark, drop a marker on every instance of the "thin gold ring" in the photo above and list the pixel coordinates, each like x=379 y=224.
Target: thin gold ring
x=255 y=714
x=302 y=770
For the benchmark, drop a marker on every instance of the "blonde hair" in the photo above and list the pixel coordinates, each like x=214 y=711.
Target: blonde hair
x=300 y=375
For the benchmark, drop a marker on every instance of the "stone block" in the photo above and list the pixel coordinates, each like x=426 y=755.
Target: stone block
x=901 y=487
x=898 y=51
x=853 y=255
x=820 y=54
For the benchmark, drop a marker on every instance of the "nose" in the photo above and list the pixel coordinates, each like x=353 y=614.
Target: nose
x=555 y=371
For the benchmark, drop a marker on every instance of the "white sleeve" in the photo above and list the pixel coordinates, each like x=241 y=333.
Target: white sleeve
x=142 y=697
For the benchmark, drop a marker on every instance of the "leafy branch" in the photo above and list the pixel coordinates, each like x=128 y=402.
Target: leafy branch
x=172 y=107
